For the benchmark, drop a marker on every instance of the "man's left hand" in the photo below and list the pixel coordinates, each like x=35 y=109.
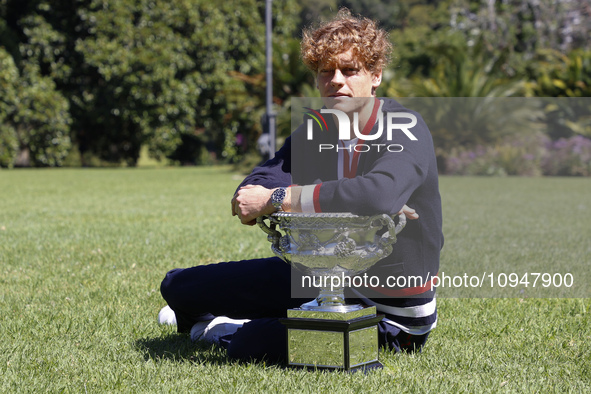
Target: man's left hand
x=409 y=212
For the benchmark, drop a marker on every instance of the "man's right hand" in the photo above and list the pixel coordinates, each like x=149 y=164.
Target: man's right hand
x=250 y=202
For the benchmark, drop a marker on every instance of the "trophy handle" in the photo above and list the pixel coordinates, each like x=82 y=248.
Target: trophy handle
x=274 y=236
x=389 y=237
x=401 y=223
x=270 y=231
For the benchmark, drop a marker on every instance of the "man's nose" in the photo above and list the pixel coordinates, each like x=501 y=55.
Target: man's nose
x=338 y=78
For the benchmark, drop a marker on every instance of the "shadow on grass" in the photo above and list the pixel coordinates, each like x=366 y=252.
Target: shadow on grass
x=180 y=348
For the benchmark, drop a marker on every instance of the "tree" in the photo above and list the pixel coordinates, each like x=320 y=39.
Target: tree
x=156 y=73
x=523 y=27
x=34 y=117
x=8 y=98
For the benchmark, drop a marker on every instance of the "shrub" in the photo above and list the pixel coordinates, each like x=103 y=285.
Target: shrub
x=517 y=155
x=568 y=156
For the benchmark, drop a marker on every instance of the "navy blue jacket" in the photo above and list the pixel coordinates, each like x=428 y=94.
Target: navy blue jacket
x=385 y=181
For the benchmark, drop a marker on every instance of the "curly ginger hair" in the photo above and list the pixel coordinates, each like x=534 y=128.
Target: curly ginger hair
x=370 y=44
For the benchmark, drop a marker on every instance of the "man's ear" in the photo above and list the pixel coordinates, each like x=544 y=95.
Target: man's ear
x=376 y=79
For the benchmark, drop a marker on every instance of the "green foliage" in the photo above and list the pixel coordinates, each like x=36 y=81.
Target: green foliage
x=8 y=145
x=558 y=75
x=313 y=11
x=34 y=117
x=151 y=72
x=490 y=50
x=42 y=120
x=462 y=70
x=522 y=27
x=186 y=78
x=291 y=78
x=566 y=77
x=389 y=12
x=466 y=123
x=8 y=97
x=133 y=95
x=468 y=91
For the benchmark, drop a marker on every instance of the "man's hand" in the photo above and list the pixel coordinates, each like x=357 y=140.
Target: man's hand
x=409 y=212
x=250 y=202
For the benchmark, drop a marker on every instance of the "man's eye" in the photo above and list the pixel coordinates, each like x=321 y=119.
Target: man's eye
x=351 y=71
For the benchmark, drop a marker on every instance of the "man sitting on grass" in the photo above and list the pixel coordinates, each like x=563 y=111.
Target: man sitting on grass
x=237 y=304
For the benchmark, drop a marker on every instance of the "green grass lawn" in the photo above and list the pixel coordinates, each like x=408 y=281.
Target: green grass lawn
x=83 y=251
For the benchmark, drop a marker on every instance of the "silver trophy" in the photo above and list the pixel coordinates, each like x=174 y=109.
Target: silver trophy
x=331 y=249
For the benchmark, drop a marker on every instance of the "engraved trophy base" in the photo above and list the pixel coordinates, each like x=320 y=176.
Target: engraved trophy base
x=334 y=340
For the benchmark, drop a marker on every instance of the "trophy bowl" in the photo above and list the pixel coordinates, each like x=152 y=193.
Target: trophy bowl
x=324 y=245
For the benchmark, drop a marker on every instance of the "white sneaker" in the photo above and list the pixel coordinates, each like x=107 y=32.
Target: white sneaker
x=167 y=316
x=213 y=330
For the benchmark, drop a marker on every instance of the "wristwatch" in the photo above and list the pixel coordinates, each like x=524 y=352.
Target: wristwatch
x=277 y=198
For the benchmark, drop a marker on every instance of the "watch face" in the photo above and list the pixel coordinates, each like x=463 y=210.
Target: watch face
x=277 y=197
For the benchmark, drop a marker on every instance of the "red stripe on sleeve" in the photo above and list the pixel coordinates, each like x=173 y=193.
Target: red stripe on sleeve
x=316 y=198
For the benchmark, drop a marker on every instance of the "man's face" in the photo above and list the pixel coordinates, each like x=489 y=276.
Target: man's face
x=345 y=78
